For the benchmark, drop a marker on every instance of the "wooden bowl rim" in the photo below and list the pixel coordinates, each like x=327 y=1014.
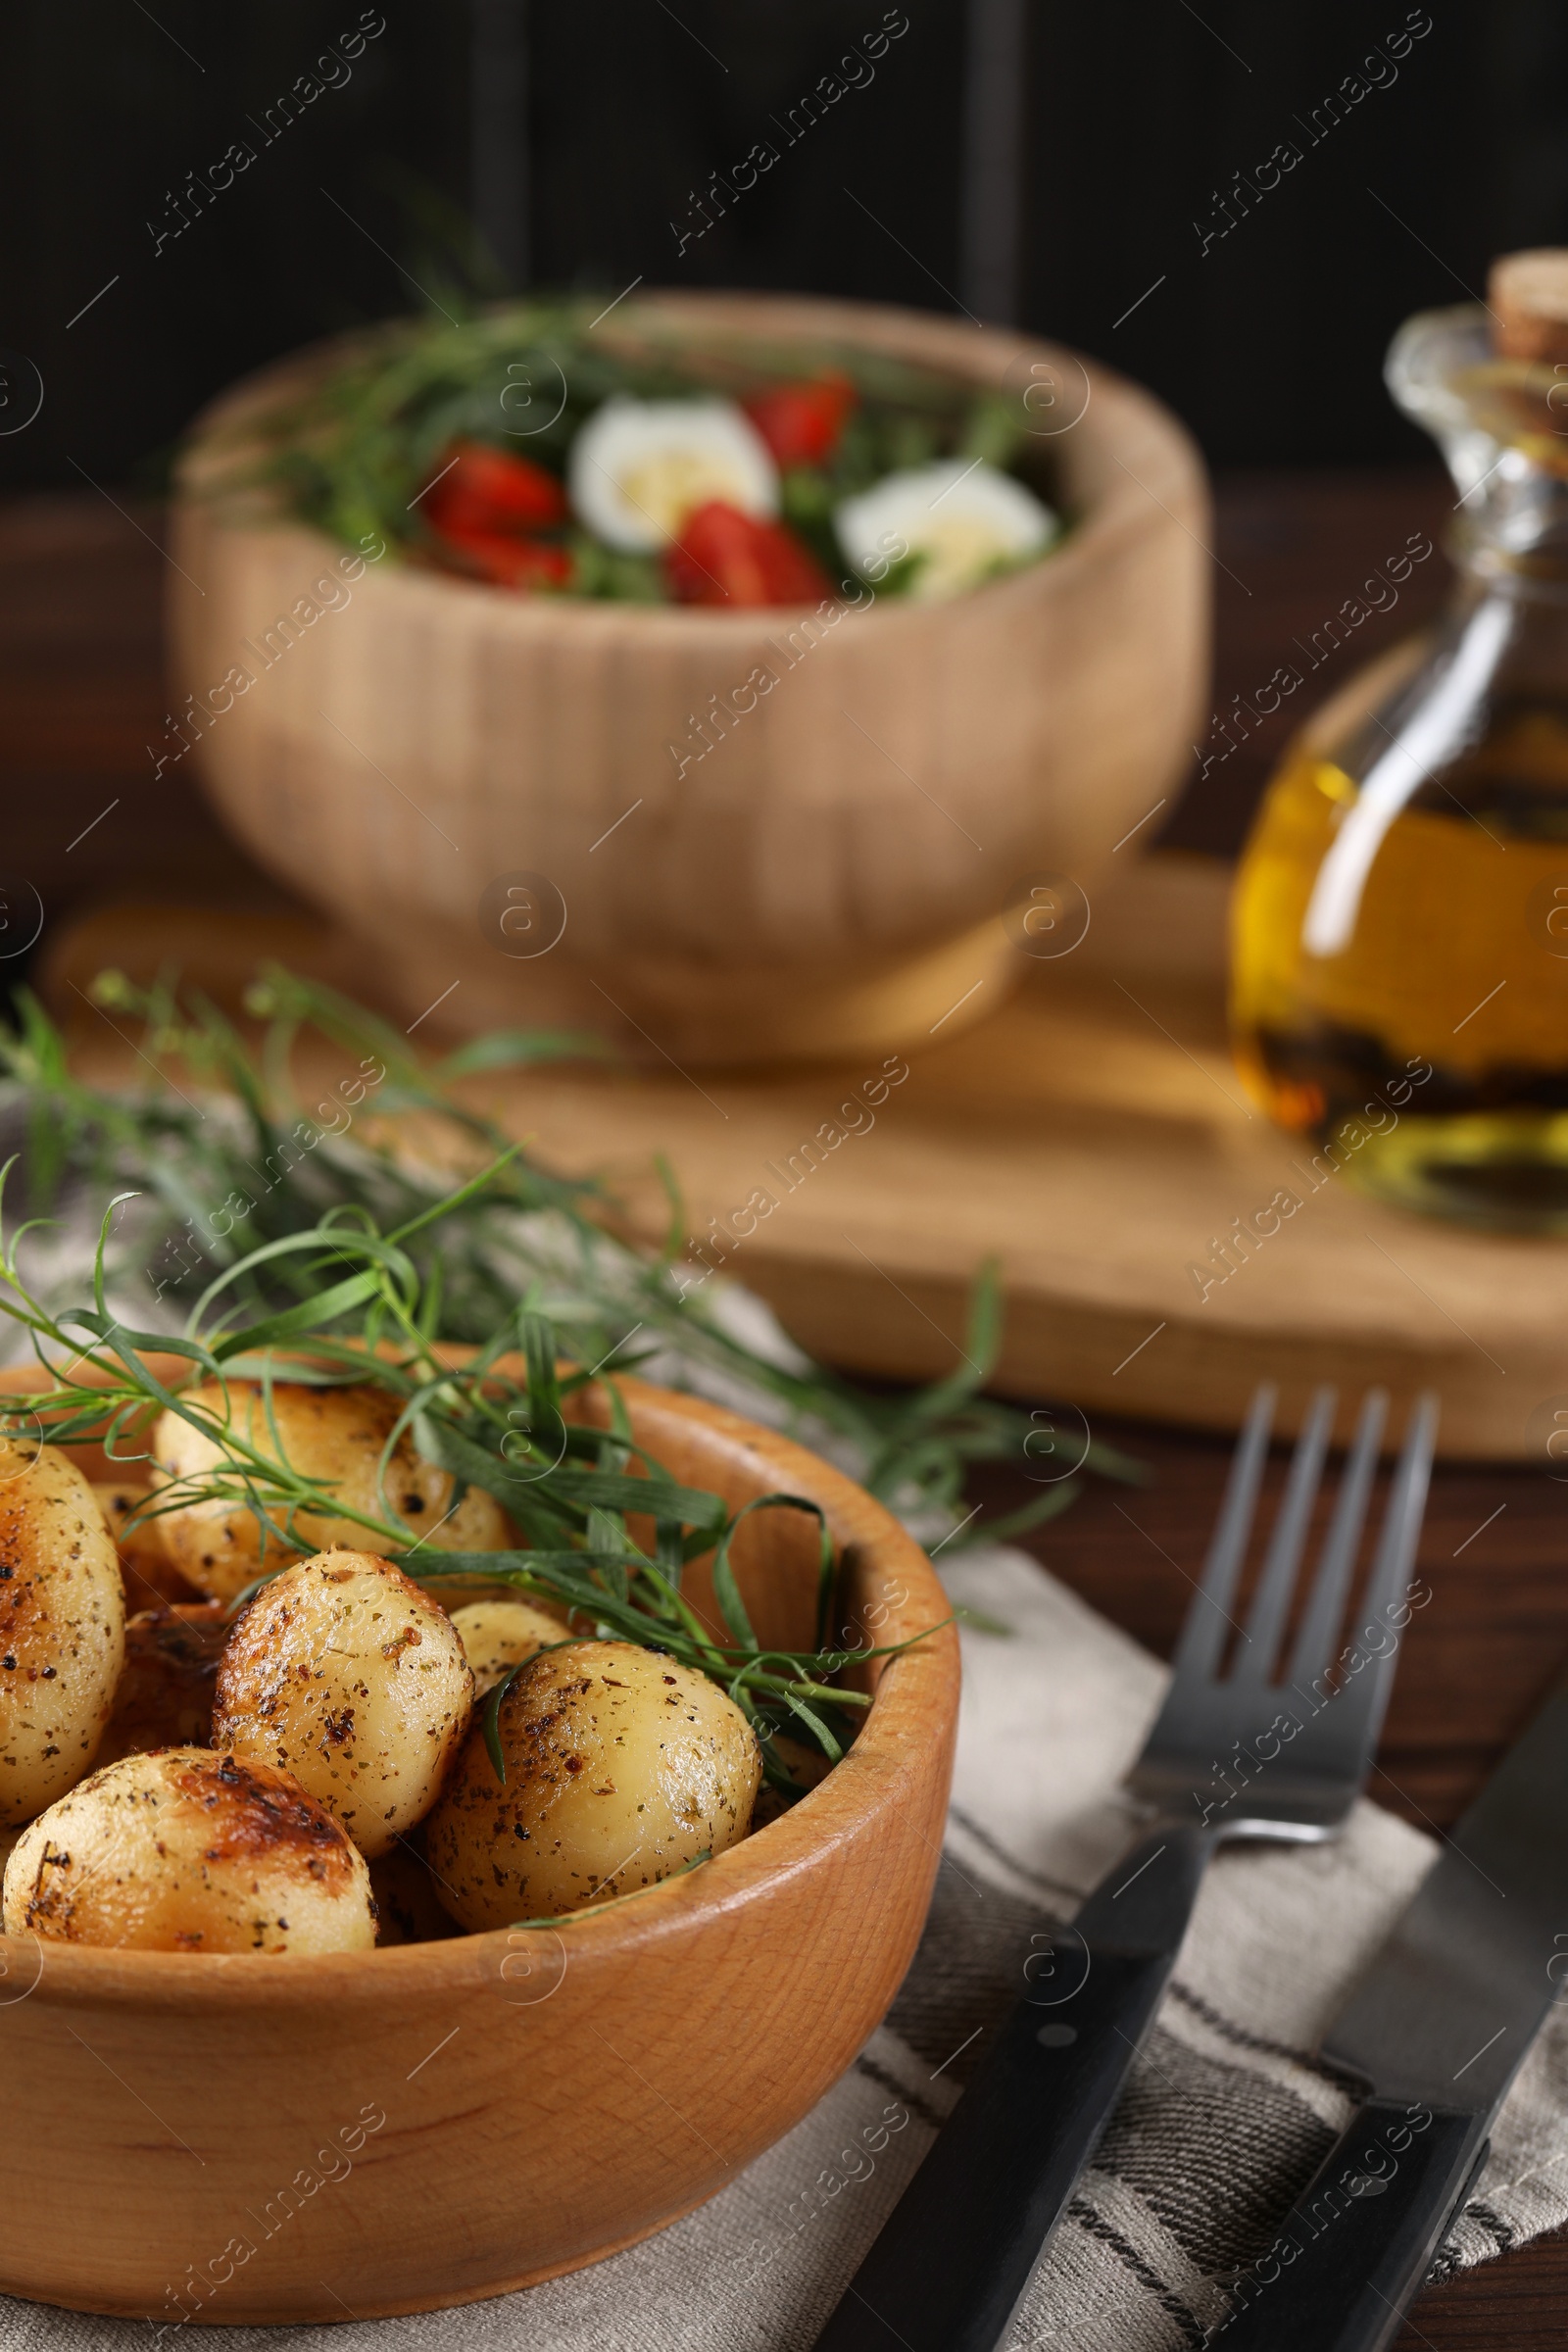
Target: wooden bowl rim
x=1124 y=507
x=914 y=1697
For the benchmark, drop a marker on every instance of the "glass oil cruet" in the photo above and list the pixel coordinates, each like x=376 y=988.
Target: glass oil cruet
x=1399 y=925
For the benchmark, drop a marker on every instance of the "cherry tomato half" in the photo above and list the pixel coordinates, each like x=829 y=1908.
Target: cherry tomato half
x=802 y=423
x=725 y=557
x=476 y=488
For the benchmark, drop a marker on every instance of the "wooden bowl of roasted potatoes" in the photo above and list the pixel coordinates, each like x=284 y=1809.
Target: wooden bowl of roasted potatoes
x=274 y=2045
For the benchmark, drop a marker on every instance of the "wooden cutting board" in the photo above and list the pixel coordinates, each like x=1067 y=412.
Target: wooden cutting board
x=1089 y=1133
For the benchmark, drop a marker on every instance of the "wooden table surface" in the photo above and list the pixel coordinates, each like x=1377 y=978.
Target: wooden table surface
x=80 y=700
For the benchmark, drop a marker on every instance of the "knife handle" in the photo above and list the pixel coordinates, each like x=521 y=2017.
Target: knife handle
x=961 y=2246
x=1349 y=2260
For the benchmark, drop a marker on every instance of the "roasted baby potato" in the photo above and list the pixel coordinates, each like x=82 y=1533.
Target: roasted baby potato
x=332 y=1435
x=149 y=1575
x=345 y=1673
x=498 y=1635
x=621 y=1767
x=187 y=1851
x=62 y=1628
x=165 y=1696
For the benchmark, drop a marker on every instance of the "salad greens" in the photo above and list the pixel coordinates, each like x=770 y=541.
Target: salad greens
x=356 y=444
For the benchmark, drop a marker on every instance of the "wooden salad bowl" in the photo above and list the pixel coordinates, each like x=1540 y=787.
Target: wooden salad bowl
x=837 y=872
x=243 y=2139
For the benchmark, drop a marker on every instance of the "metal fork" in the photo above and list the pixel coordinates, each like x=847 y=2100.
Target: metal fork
x=1238 y=1756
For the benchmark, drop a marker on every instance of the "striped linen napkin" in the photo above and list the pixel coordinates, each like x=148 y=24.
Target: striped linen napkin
x=1224 y=2119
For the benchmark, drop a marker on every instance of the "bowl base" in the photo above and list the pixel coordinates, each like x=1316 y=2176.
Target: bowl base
x=300 y=2310
x=658 y=1010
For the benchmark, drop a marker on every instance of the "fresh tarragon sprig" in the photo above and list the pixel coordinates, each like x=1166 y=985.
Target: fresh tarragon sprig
x=227 y=1157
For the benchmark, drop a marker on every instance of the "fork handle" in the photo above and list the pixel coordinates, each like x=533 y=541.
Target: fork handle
x=961 y=2244
x=1349 y=2260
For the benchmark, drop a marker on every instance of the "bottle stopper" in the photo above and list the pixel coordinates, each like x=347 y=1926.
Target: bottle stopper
x=1527 y=294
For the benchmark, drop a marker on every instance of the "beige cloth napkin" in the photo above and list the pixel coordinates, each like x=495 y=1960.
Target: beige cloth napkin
x=1224 y=2119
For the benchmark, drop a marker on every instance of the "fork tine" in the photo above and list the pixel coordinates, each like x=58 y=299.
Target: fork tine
x=1316 y=1641
x=1365 y=1701
x=1272 y=1600
x=1203 y=1633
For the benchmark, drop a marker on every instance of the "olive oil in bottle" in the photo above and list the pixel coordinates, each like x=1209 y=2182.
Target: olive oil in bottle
x=1399 y=930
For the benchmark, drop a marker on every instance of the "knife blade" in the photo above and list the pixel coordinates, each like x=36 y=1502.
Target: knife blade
x=1437 y=2027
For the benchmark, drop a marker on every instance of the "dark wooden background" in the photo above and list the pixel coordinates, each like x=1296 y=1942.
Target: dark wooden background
x=1021 y=159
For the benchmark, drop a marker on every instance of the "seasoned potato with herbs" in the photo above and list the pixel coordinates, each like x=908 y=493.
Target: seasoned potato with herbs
x=62 y=1628
x=185 y=1851
x=333 y=1435
x=345 y=1673
x=148 y=1573
x=621 y=1767
x=498 y=1635
x=165 y=1695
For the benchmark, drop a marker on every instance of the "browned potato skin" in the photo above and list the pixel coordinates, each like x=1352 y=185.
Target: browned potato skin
x=498 y=1635
x=164 y=1696
x=332 y=1435
x=150 y=1577
x=346 y=1674
x=621 y=1767
x=61 y=1630
x=185 y=1851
